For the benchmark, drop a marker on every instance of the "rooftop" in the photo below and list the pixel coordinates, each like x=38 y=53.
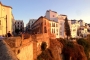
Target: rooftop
x=5 y=5
x=51 y=11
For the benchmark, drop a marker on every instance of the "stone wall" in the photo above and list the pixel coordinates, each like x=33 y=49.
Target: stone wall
x=28 y=49
x=5 y=52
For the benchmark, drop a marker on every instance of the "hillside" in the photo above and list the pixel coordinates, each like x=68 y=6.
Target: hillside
x=62 y=50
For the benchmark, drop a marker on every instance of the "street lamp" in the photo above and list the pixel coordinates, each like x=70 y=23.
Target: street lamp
x=6 y=22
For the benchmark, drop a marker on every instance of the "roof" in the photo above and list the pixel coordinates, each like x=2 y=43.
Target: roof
x=42 y=17
x=5 y=5
x=63 y=15
x=51 y=11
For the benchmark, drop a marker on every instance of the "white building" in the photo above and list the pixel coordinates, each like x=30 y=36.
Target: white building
x=83 y=31
x=31 y=21
x=54 y=28
x=52 y=15
x=82 y=23
x=19 y=24
x=6 y=19
x=74 y=26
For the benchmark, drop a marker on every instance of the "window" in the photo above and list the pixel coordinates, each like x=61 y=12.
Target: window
x=52 y=30
x=0 y=22
x=45 y=31
x=56 y=25
x=18 y=25
x=0 y=25
x=53 y=24
x=21 y=26
x=74 y=30
x=21 y=22
x=53 y=16
x=15 y=26
x=45 y=22
x=18 y=22
x=32 y=21
x=57 y=30
x=57 y=33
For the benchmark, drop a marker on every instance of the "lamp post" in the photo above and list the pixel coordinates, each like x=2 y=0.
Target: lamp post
x=6 y=22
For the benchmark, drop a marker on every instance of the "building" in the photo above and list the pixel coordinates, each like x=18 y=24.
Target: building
x=44 y=25
x=19 y=24
x=82 y=23
x=52 y=15
x=13 y=24
x=54 y=28
x=6 y=19
x=41 y=25
x=31 y=21
x=83 y=31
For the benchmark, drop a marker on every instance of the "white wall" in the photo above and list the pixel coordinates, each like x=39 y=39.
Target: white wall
x=56 y=28
x=19 y=21
x=52 y=15
x=31 y=21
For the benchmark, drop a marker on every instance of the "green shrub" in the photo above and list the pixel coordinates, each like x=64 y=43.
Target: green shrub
x=85 y=44
x=70 y=44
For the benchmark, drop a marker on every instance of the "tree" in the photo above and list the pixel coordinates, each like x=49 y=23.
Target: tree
x=43 y=46
x=86 y=45
x=67 y=28
x=17 y=31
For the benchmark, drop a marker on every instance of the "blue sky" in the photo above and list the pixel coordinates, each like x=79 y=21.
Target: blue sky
x=33 y=9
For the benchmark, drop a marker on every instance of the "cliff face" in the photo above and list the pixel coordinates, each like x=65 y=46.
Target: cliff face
x=54 y=52
x=56 y=49
x=66 y=51
x=76 y=52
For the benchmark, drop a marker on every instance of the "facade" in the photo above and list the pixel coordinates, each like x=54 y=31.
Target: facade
x=54 y=28
x=31 y=21
x=41 y=25
x=81 y=22
x=13 y=24
x=52 y=15
x=83 y=31
x=44 y=25
x=74 y=26
x=6 y=19
x=61 y=21
x=19 y=24
x=73 y=30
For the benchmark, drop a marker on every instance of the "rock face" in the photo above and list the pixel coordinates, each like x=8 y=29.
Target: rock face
x=56 y=49
x=5 y=52
x=54 y=52
x=74 y=53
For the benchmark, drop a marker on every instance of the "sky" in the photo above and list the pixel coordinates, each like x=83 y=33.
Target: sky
x=33 y=9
